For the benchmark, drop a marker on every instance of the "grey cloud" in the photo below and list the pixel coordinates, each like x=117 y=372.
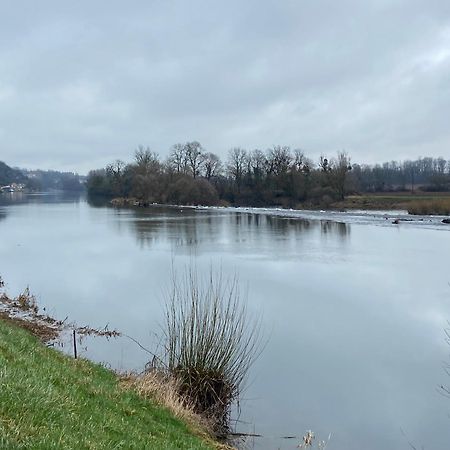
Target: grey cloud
x=85 y=83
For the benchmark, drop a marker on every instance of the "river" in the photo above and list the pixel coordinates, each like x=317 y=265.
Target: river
x=354 y=308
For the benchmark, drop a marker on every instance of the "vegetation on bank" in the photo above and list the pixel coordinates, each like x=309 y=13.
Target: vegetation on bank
x=50 y=401
x=193 y=176
x=391 y=201
x=209 y=344
x=278 y=176
x=436 y=206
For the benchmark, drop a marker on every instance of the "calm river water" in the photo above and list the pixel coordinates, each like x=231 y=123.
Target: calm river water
x=354 y=310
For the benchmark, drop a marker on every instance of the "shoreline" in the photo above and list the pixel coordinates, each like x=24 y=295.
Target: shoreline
x=75 y=402
x=355 y=215
x=20 y=315
x=366 y=202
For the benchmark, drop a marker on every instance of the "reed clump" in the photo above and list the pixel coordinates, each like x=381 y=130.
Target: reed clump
x=438 y=206
x=210 y=342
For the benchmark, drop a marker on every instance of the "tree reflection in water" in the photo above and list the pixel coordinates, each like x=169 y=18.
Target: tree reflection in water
x=211 y=229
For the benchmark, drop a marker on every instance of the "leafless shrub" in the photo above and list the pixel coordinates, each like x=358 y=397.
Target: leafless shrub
x=210 y=342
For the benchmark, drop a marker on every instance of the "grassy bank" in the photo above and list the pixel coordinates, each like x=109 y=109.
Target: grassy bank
x=50 y=401
x=402 y=201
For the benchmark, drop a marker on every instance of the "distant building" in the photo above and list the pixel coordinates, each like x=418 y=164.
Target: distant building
x=13 y=187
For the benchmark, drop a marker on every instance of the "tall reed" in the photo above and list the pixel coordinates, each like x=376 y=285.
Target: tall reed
x=437 y=206
x=210 y=342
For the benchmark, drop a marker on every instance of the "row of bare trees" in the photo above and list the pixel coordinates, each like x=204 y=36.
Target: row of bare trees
x=277 y=176
x=427 y=173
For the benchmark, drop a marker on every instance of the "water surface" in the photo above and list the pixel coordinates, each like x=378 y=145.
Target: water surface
x=354 y=310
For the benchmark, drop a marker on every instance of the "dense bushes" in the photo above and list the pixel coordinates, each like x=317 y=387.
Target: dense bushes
x=279 y=176
x=192 y=176
x=186 y=190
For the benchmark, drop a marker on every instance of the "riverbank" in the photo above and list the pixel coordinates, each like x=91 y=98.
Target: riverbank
x=415 y=203
x=49 y=400
x=422 y=203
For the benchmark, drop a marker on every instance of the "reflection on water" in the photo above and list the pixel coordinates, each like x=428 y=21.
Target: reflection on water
x=56 y=197
x=192 y=228
x=340 y=228
x=354 y=313
x=22 y=198
x=11 y=198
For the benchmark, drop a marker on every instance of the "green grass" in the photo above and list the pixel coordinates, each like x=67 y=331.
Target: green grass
x=50 y=401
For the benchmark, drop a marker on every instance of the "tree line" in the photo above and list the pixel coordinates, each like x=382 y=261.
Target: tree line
x=277 y=176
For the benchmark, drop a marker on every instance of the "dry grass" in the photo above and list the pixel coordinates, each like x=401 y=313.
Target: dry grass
x=388 y=200
x=435 y=206
x=23 y=310
x=41 y=330
x=164 y=389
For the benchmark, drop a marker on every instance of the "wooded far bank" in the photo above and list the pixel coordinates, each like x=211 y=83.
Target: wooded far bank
x=278 y=176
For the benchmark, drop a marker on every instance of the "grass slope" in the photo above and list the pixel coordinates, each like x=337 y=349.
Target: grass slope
x=50 y=401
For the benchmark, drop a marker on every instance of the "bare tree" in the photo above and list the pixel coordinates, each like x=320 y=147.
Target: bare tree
x=324 y=165
x=178 y=159
x=211 y=165
x=339 y=169
x=411 y=168
x=300 y=176
x=440 y=165
x=115 y=172
x=237 y=159
x=193 y=151
x=279 y=160
x=146 y=161
x=258 y=162
x=116 y=168
x=298 y=159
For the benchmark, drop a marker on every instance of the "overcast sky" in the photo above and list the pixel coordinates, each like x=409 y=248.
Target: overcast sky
x=83 y=83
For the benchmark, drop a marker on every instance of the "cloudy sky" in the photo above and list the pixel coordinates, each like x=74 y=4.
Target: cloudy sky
x=83 y=83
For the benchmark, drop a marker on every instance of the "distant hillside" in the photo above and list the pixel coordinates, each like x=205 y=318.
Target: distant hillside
x=48 y=180
x=9 y=175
